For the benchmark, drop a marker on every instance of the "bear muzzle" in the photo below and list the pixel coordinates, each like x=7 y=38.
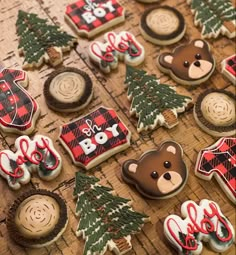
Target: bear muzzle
x=169 y=181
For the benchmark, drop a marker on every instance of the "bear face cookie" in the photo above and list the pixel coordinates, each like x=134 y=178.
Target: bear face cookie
x=159 y=173
x=190 y=64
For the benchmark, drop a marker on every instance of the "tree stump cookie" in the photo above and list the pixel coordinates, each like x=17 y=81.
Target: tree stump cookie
x=68 y=90
x=37 y=218
x=162 y=25
x=214 y=112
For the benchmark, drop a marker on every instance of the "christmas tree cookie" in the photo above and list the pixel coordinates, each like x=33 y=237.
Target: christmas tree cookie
x=203 y=222
x=153 y=103
x=37 y=154
x=215 y=17
x=18 y=110
x=40 y=42
x=106 y=221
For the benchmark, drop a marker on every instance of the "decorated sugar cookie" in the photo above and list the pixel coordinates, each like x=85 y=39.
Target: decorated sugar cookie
x=162 y=25
x=228 y=66
x=153 y=103
x=18 y=110
x=95 y=137
x=215 y=112
x=104 y=216
x=203 y=222
x=159 y=173
x=37 y=218
x=215 y=17
x=219 y=160
x=123 y=46
x=37 y=154
x=40 y=42
x=90 y=17
x=189 y=64
x=68 y=90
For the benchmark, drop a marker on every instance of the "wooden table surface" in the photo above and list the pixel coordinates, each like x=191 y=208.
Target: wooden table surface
x=110 y=92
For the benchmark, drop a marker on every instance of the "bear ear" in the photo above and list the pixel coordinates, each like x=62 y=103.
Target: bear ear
x=173 y=148
x=199 y=43
x=129 y=168
x=165 y=60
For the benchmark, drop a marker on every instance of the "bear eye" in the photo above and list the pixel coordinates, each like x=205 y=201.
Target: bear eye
x=198 y=56
x=167 y=164
x=186 y=64
x=154 y=175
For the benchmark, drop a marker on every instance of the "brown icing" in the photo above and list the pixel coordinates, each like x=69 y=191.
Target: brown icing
x=68 y=89
x=222 y=107
x=159 y=173
x=163 y=23
x=26 y=217
x=189 y=62
x=37 y=216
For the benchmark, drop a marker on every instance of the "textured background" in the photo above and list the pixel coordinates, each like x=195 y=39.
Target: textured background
x=110 y=91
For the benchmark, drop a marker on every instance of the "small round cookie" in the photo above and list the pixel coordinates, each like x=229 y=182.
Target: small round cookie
x=68 y=90
x=214 y=112
x=162 y=25
x=37 y=218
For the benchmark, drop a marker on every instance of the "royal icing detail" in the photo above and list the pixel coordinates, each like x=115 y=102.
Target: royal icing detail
x=215 y=112
x=18 y=110
x=68 y=90
x=203 y=222
x=159 y=173
x=219 y=160
x=152 y=102
x=109 y=214
x=121 y=46
x=41 y=42
x=90 y=17
x=189 y=64
x=94 y=137
x=215 y=17
x=162 y=25
x=38 y=154
x=229 y=68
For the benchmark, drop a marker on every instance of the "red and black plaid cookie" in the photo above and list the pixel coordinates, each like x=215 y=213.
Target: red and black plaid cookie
x=18 y=110
x=219 y=160
x=90 y=17
x=94 y=137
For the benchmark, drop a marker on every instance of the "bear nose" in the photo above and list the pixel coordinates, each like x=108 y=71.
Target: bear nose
x=167 y=176
x=197 y=63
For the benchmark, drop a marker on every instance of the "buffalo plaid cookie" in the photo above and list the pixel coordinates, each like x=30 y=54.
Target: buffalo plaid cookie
x=89 y=17
x=18 y=110
x=219 y=160
x=94 y=137
x=228 y=66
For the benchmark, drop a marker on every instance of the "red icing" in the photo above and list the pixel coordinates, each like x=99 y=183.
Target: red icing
x=121 y=44
x=205 y=226
x=35 y=157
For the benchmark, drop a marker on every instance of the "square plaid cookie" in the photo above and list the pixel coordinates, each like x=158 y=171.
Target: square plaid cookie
x=94 y=137
x=90 y=17
x=219 y=160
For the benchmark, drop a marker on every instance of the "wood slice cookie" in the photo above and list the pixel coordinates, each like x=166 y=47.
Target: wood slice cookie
x=162 y=25
x=214 y=112
x=68 y=90
x=37 y=218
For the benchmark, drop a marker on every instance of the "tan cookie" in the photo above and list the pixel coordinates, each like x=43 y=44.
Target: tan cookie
x=37 y=218
x=214 y=112
x=162 y=25
x=68 y=90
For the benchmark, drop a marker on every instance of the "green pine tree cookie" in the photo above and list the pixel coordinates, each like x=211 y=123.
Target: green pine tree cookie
x=215 y=16
x=106 y=221
x=40 y=41
x=153 y=103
